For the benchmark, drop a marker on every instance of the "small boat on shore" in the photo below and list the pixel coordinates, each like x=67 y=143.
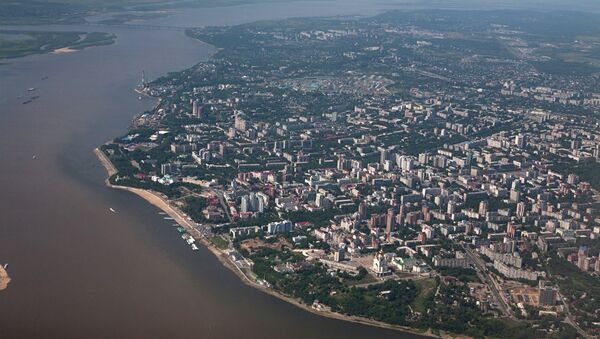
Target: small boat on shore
x=194 y=247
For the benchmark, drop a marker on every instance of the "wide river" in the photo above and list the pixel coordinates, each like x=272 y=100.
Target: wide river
x=81 y=271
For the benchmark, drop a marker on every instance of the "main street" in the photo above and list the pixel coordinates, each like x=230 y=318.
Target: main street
x=484 y=275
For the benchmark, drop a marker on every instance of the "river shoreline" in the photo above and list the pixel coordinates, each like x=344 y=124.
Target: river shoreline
x=163 y=204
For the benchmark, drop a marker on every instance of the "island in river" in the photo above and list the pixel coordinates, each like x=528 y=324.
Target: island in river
x=19 y=43
x=310 y=156
x=4 y=278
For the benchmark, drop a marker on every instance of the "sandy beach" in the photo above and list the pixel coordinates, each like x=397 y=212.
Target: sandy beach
x=162 y=203
x=64 y=50
x=4 y=278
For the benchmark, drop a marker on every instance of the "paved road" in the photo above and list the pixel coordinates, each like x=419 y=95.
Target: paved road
x=569 y=319
x=219 y=194
x=489 y=281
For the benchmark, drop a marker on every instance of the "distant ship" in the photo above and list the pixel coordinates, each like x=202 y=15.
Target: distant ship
x=31 y=89
x=112 y=210
x=34 y=157
x=194 y=247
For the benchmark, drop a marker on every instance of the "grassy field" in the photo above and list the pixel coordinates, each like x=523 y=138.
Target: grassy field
x=426 y=289
x=219 y=242
x=368 y=279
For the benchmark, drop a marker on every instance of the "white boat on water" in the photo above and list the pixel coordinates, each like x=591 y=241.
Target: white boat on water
x=112 y=210
x=190 y=240
x=34 y=157
x=5 y=266
x=31 y=89
x=194 y=247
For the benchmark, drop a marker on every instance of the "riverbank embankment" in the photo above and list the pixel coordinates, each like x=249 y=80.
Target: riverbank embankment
x=183 y=220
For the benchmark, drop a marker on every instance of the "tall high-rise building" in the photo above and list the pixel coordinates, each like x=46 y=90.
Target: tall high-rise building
x=520 y=141
x=483 y=208
x=405 y=163
x=572 y=179
x=511 y=230
x=240 y=123
x=197 y=110
x=451 y=207
x=384 y=155
x=343 y=163
x=374 y=221
x=581 y=258
x=521 y=209
x=362 y=210
x=469 y=228
x=515 y=195
x=390 y=222
x=546 y=294
x=253 y=202
x=401 y=215
x=426 y=213
x=339 y=254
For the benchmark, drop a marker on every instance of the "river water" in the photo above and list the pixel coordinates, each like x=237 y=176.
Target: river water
x=81 y=271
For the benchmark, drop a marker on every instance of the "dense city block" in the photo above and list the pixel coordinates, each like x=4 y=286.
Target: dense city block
x=428 y=169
